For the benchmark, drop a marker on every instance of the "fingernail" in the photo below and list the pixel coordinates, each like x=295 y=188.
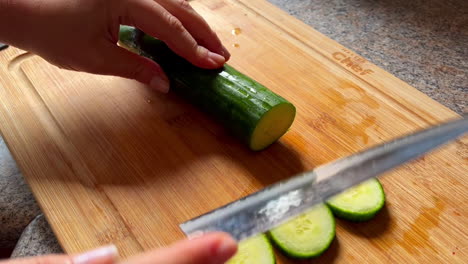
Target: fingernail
x=226 y=249
x=195 y=235
x=99 y=255
x=226 y=54
x=160 y=84
x=216 y=59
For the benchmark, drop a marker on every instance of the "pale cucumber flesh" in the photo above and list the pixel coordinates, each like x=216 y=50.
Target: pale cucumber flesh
x=306 y=236
x=255 y=250
x=272 y=125
x=359 y=203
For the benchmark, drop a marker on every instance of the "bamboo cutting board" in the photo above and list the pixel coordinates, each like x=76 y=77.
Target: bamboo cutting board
x=111 y=161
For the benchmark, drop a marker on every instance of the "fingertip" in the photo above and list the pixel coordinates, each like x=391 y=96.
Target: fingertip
x=220 y=50
x=160 y=83
x=102 y=255
x=225 y=248
x=215 y=60
x=151 y=73
x=126 y=64
x=206 y=59
x=195 y=235
x=225 y=53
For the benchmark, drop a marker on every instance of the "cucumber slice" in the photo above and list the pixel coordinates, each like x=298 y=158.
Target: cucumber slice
x=306 y=236
x=248 y=110
x=359 y=203
x=255 y=250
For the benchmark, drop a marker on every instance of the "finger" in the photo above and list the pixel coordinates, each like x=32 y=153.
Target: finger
x=196 y=25
x=118 y=61
x=214 y=248
x=46 y=259
x=156 y=21
x=103 y=255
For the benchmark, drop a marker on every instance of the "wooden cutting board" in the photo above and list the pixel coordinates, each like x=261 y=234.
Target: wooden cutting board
x=111 y=161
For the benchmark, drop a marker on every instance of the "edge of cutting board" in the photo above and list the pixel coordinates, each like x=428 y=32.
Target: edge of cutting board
x=427 y=111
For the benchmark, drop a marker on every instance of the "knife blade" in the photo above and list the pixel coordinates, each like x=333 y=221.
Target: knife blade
x=278 y=203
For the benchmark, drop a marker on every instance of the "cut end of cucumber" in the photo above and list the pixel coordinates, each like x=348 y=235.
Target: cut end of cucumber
x=256 y=250
x=306 y=236
x=359 y=203
x=272 y=126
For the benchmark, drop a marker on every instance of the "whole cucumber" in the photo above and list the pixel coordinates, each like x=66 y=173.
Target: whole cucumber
x=249 y=110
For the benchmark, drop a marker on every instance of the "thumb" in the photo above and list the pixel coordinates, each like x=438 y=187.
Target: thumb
x=104 y=255
x=118 y=61
x=215 y=248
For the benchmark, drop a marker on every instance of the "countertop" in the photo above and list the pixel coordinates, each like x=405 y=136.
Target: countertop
x=424 y=43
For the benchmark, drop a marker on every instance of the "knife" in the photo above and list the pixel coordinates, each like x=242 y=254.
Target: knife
x=3 y=46
x=278 y=203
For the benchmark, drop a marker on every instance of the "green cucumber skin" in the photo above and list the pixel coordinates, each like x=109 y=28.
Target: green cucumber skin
x=296 y=255
x=356 y=217
x=234 y=99
x=270 y=247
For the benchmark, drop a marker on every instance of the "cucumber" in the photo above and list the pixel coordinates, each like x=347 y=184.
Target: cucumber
x=359 y=203
x=255 y=250
x=248 y=110
x=306 y=236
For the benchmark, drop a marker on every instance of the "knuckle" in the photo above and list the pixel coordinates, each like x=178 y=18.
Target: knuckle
x=183 y=4
x=93 y=66
x=174 y=23
x=211 y=38
x=200 y=52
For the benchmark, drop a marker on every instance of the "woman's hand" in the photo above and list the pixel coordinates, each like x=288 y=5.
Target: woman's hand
x=215 y=248
x=82 y=34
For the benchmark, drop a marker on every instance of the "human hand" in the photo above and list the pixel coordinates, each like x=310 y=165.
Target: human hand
x=215 y=248
x=81 y=35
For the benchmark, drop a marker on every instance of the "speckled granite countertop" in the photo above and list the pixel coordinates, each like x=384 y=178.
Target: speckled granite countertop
x=422 y=42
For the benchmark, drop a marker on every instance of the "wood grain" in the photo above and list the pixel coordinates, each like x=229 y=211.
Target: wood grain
x=111 y=161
